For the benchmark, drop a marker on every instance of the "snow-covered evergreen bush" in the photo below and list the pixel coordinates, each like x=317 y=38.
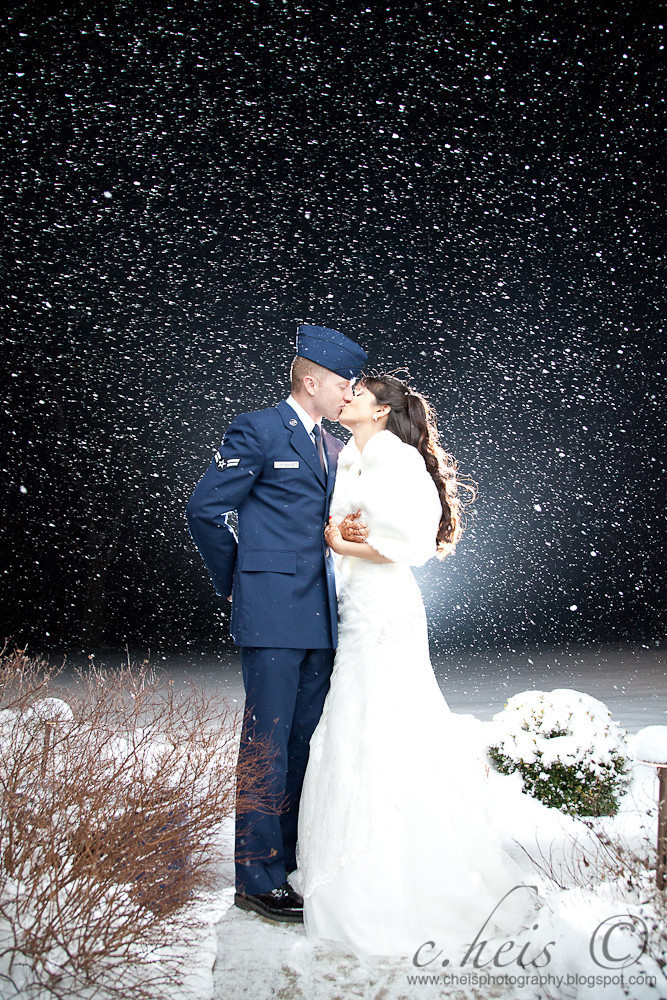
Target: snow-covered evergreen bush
x=568 y=750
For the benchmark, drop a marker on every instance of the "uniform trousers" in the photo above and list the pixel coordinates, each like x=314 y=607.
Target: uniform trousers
x=285 y=693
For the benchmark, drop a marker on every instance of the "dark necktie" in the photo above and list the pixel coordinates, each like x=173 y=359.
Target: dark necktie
x=317 y=434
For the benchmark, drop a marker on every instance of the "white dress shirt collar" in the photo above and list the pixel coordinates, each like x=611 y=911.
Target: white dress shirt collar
x=304 y=417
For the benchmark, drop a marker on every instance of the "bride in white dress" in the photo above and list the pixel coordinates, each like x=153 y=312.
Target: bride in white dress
x=396 y=847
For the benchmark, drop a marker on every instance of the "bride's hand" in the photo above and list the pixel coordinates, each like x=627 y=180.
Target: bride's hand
x=333 y=536
x=352 y=529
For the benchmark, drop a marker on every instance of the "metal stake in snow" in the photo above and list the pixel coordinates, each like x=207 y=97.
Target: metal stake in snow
x=49 y=712
x=651 y=748
x=662 y=826
x=48 y=736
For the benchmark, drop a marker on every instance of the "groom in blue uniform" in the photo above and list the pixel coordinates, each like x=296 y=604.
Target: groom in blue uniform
x=276 y=468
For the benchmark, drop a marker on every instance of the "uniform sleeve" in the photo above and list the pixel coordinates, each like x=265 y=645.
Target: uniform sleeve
x=403 y=510
x=223 y=487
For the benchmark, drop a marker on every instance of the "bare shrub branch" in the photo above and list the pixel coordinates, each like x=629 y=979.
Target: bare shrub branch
x=628 y=875
x=110 y=818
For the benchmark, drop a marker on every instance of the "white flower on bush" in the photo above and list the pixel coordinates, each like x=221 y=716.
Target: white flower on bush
x=563 y=729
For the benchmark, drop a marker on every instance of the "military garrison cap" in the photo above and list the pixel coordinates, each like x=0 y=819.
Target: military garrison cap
x=331 y=349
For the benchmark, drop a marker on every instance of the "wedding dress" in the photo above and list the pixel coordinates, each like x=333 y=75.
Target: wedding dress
x=396 y=847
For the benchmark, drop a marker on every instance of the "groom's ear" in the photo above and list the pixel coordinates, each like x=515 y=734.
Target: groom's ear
x=310 y=384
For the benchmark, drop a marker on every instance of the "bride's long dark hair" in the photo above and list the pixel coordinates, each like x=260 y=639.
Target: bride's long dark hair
x=413 y=421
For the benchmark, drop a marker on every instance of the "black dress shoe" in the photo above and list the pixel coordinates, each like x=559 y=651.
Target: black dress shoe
x=282 y=904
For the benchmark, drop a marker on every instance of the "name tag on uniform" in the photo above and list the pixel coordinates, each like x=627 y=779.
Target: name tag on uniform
x=285 y=465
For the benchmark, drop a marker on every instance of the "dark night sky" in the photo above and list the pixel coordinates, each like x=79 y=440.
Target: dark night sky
x=471 y=190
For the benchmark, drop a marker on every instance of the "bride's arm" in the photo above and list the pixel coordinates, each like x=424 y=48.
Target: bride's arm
x=361 y=550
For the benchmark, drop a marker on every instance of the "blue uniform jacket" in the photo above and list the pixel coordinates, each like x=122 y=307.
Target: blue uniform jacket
x=279 y=572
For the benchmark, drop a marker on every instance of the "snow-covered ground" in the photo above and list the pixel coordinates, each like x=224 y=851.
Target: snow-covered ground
x=256 y=959
x=586 y=937
x=631 y=680
x=585 y=941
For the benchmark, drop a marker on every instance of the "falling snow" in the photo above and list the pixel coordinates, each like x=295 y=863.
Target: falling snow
x=470 y=192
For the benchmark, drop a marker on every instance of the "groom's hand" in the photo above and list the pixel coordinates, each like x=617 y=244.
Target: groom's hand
x=353 y=530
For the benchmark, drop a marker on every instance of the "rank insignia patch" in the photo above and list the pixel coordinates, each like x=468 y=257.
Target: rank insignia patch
x=225 y=463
